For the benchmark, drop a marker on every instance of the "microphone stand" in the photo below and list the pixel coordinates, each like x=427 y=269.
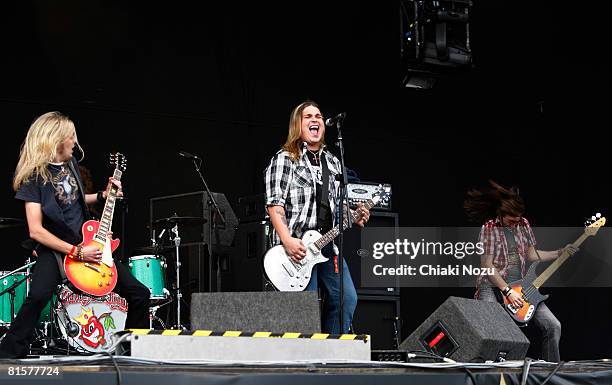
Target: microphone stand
x=212 y=203
x=349 y=222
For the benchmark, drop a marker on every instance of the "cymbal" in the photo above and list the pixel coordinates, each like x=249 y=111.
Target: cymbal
x=6 y=223
x=150 y=250
x=176 y=220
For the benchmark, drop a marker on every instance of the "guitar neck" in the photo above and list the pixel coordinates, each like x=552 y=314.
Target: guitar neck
x=333 y=233
x=106 y=220
x=553 y=267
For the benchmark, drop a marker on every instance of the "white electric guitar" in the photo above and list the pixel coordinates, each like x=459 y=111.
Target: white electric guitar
x=287 y=275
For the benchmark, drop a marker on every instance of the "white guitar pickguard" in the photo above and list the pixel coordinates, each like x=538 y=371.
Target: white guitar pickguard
x=107 y=254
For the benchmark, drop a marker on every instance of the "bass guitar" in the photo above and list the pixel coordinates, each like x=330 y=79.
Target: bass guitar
x=529 y=285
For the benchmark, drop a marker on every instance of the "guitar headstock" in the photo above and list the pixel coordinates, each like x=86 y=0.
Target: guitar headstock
x=118 y=161
x=381 y=194
x=593 y=224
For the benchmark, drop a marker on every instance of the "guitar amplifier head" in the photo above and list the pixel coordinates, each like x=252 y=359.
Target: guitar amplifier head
x=362 y=191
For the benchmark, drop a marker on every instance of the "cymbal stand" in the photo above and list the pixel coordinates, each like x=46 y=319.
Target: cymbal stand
x=26 y=266
x=28 y=271
x=175 y=237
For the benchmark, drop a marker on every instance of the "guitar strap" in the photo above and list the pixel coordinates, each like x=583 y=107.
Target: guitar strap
x=529 y=241
x=58 y=256
x=60 y=264
x=324 y=189
x=77 y=176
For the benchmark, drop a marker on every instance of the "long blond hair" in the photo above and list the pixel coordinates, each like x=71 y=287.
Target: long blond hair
x=40 y=146
x=293 y=145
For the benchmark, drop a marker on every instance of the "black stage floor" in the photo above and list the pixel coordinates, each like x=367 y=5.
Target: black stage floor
x=128 y=370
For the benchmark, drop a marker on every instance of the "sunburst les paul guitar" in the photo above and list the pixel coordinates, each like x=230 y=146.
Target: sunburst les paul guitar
x=288 y=275
x=529 y=285
x=93 y=278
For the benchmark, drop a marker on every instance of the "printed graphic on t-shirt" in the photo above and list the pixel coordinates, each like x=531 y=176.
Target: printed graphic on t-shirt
x=318 y=174
x=66 y=188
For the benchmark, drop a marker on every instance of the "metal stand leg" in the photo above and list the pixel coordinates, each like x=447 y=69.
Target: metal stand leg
x=12 y=301
x=177 y=243
x=28 y=271
x=51 y=341
x=153 y=316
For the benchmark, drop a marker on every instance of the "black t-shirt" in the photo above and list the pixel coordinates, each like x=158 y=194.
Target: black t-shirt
x=61 y=202
x=324 y=224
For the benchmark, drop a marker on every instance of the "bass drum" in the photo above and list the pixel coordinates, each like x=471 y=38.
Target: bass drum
x=89 y=323
x=16 y=281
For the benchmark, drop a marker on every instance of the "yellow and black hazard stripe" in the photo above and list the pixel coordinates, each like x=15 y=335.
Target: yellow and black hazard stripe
x=235 y=333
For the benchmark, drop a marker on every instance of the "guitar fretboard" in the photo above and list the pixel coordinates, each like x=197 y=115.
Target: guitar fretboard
x=106 y=219
x=333 y=233
x=550 y=270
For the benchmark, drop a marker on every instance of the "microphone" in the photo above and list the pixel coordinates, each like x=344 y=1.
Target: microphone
x=336 y=119
x=187 y=155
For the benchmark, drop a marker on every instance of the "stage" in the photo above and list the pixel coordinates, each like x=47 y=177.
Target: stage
x=105 y=370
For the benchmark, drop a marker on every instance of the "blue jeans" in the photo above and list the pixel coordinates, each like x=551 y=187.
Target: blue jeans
x=544 y=320
x=325 y=274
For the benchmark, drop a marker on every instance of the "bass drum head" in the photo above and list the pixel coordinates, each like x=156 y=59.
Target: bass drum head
x=89 y=323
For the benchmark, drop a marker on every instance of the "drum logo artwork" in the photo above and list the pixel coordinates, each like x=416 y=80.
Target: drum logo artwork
x=92 y=331
x=97 y=318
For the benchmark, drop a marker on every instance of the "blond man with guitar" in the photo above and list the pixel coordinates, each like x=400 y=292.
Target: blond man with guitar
x=48 y=181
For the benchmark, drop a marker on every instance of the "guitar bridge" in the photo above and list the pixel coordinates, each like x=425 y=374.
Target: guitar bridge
x=92 y=267
x=287 y=270
x=512 y=308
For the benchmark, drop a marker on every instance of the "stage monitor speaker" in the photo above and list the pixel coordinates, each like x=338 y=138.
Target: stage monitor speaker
x=276 y=312
x=469 y=330
x=352 y=243
x=378 y=316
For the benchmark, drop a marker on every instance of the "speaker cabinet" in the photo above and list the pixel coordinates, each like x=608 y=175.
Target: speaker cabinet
x=252 y=241
x=352 y=243
x=378 y=316
x=276 y=312
x=195 y=204
x=469 y=330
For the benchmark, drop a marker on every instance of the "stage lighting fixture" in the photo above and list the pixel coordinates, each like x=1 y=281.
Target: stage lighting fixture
x=434 y=40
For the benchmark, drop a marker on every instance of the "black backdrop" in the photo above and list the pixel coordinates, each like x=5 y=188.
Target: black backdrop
x=220 y=80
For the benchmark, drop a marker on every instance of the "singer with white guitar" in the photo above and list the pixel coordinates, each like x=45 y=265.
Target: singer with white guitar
x=301 y=195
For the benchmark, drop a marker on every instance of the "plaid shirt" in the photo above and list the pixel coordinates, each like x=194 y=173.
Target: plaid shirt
x=494 y=243
x=292 y=185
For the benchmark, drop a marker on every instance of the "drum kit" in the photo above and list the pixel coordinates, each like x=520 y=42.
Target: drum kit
x=150 y=266
x=87 y=323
